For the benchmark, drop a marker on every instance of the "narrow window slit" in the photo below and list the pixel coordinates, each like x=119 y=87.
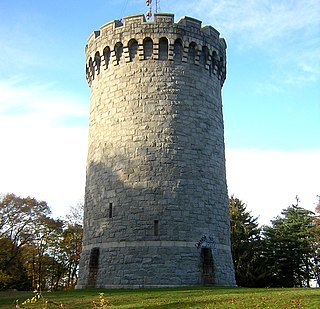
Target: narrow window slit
x=110 y=210
x=156 y=227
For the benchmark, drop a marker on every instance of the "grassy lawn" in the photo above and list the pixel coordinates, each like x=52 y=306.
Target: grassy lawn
x=174 y=298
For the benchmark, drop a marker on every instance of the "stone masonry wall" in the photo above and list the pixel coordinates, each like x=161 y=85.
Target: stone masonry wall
x=156 y=194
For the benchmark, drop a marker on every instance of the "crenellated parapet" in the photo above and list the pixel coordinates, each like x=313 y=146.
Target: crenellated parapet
x=133 y=39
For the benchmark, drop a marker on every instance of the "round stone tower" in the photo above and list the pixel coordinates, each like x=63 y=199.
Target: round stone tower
x=156 y=204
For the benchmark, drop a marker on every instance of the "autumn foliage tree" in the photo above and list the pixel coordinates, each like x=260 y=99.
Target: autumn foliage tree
x=71 y=243
x=19 y=220
x=36 y=250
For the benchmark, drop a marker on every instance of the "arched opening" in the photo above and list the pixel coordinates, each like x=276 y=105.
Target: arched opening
x=192 y=52
x=206 y=265
x=93 y=267
x=91 y=67
x=220 y=65
x=106 y=56
x=118 y=49
x=204 y=55
x=87 y=73
x=97 y=60
x=177 y=50
x=214 y=61
x=133 y=49
x=147 y=48
x=163 y=49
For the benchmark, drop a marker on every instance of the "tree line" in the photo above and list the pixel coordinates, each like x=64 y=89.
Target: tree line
x=38 y=251
x=285 y=253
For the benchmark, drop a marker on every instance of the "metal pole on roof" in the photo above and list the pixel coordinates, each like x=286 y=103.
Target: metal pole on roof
x=149 y=13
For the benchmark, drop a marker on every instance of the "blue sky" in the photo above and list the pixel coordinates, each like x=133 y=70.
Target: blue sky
x=271 y=96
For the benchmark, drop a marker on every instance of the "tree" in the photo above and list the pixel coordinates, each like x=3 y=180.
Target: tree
x=35 y=249
x=72 y=243
x=18 y=219
x=246 y=245
x=316 y=245
x=12 y=272
x=44 y=265
x=289 y=247
x=75 y=215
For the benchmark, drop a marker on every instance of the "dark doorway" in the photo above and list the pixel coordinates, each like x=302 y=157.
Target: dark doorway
x=93 y=267
x=207 y=268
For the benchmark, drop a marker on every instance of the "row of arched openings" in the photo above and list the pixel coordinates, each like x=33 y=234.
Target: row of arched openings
x=216 y=64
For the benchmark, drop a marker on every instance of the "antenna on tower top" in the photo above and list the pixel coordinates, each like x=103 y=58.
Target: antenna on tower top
x=157 y=6
x=150 y=11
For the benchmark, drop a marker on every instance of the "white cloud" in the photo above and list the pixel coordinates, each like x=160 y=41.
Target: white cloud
x=269 y=180
x=255 y=21
x=41 y=156
x=286 y=32
x=38 y=103
x=48 y=165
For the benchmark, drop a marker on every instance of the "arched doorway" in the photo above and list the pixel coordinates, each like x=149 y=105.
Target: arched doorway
x=207 y=266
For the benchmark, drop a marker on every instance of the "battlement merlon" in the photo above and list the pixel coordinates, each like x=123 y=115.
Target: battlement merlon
x=190 y=22
x=192 y=25
x=164 y=18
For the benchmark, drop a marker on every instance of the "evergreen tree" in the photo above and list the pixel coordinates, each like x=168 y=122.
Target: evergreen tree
x=289 y=247
x=246 y=245
x=316 y=245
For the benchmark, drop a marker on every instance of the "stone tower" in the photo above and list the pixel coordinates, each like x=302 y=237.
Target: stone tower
x=156 y=204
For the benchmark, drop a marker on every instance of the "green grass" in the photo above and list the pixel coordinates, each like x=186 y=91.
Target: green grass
x=236 y=298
